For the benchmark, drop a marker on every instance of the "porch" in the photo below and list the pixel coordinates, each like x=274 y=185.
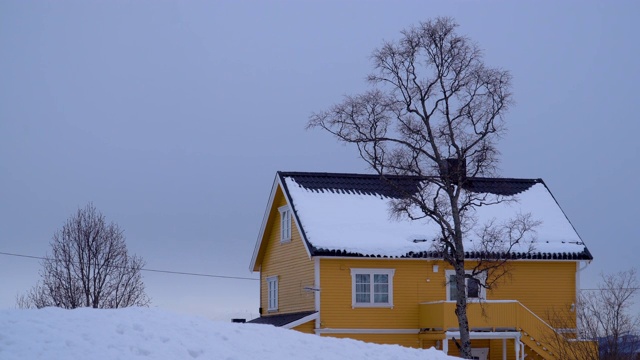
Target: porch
x=522 y=332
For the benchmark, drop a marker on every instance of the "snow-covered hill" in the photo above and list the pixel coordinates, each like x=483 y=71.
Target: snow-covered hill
x=139 y=333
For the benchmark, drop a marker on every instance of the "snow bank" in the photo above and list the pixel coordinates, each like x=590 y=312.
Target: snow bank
x=140 y=333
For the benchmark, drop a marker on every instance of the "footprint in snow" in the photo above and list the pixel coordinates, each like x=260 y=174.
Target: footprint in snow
x=195 y=353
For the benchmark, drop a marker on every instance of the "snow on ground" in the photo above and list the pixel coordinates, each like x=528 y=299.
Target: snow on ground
x=141 y=333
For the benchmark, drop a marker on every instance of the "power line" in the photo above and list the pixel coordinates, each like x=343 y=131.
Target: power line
x=198 y=274
x=609 y=289
x=145 y=269
x=223 y=276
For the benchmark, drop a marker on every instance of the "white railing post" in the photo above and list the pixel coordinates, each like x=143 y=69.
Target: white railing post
x=504 y=349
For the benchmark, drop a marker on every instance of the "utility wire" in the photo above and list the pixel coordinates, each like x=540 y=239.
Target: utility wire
x=218 y=276
x=609 y=289
x=144 y=269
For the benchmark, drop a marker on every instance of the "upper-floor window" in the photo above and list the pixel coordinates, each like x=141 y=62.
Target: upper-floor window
x=272 y=293
x=372 y=287
x=475 y=290
x=285 y=223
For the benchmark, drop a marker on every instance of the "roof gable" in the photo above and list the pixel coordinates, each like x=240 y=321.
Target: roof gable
x=269 y=218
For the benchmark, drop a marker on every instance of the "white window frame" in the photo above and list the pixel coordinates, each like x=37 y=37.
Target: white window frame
x=372 y=272
x=482 y=277
x=272 y=293
x=285 y=223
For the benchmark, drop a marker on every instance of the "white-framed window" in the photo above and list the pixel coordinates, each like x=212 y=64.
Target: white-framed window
x=285 y=223
x=272 y=293
x=372 y=287
x=475 y=291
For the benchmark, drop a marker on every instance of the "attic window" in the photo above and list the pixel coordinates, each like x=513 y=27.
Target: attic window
x=285 y=223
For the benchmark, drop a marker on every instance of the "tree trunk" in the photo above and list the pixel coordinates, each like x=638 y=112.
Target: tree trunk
x=461 y=310
x=461 y=287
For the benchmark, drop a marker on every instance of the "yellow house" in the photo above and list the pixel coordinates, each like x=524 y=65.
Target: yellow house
x=333 y=262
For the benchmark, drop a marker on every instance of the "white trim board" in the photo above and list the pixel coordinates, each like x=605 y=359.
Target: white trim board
x=276 y=183
x=485 y=335
x=263 y=226
x=366 y=331
x=316 y=281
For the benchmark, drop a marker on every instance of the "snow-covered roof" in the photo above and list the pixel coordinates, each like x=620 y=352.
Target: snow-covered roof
x=348 y=215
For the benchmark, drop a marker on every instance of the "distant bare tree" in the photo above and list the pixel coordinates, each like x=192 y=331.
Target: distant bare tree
x=566 y=342
x=602 y=315
x=606 y=314
x=435 y=111
x=89 y=267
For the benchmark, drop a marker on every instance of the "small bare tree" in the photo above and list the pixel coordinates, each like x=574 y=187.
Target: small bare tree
x=606 y=315
x=601 y=316
x=89 y=267
x=435 y=111
x=566 y=342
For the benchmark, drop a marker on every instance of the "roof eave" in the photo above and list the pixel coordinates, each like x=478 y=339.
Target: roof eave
x=304 y=320
x=431 y=255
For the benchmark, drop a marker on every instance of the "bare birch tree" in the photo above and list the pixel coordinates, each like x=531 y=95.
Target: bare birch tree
x=89 y=267
x=435 y=111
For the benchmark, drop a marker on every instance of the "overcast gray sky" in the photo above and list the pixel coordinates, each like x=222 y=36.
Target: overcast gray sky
x=173 y=117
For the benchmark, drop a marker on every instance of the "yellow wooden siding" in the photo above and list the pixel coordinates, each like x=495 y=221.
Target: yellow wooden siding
x=307 y=327
x=408 y=340
x=426 y=344
x=410 y=287
x=495 y=349
x=538 y=285
x=288 y=261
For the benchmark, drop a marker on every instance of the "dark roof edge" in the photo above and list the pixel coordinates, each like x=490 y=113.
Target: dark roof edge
x=281 y=319
x=283 y=174
x=569 y=220
x=472 y=255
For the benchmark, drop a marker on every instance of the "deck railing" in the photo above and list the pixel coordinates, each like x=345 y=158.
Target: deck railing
x=440 y=315
x=500 y=315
